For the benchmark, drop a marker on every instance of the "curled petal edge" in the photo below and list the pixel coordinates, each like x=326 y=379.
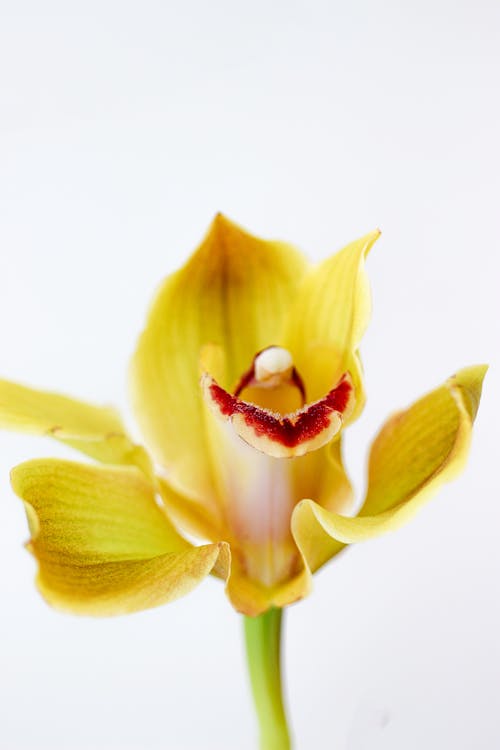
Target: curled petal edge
x=135 y=585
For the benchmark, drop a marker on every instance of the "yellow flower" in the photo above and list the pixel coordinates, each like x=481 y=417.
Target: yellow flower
x=243 y=379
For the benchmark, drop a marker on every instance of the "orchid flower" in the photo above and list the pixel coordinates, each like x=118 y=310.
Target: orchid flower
x=243 y=381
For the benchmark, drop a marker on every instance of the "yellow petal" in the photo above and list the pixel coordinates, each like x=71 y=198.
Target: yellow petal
x=328 y=319
x=103 y=545
x=425 y=445
x=94 y=430
x=233 y=293
x=415 y=452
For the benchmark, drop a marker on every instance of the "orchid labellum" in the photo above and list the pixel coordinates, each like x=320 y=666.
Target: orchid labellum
x=243 y=381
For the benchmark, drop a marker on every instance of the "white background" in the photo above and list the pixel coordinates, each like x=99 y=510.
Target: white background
x=124 y=127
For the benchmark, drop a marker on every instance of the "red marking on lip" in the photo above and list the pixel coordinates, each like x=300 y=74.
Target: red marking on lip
x=289 y=430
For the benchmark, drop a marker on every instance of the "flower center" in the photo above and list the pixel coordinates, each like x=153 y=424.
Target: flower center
x=272 y=382
x=273 y=366
x=268 y=411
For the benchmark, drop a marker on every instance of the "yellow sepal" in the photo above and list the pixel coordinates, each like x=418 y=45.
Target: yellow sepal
x=416 y=451
x=103 y=544
x=422 y=447
x=96 y=431
x=233 y=293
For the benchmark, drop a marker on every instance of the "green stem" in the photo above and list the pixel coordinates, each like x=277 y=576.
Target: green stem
x=262 y=639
